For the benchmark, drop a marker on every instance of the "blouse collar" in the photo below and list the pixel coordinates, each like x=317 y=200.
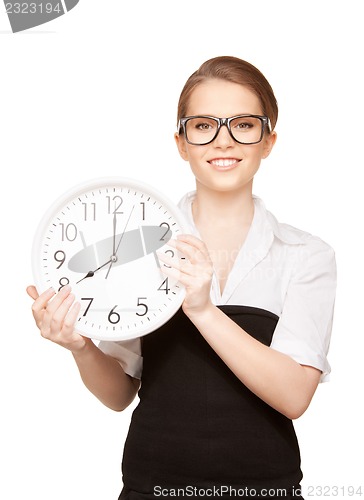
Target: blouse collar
x=263 y=221
x=263 y=230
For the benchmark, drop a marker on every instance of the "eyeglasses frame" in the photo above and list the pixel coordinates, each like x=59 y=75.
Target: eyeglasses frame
x=220 y=122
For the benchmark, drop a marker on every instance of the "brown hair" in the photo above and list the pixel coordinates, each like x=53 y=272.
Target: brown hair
x=235 y=70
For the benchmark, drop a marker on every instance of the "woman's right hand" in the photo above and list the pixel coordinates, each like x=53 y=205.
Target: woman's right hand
x=55 y=316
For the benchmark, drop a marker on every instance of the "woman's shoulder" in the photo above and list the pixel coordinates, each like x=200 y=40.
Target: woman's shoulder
x=293 y=235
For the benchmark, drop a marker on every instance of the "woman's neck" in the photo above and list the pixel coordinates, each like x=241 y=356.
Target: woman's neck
x=223 y=208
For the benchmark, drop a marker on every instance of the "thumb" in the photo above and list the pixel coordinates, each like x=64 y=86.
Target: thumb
x=32 y=292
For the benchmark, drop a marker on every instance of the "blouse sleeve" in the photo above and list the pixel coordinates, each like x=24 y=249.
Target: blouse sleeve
x=304 y=327
x=127 y=352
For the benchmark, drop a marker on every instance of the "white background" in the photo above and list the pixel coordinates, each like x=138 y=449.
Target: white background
x=94 y=93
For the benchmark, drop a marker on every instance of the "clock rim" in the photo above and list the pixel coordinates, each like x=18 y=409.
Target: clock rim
x=80 y=188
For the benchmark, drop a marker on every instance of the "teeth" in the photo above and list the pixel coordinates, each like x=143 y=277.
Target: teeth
x=223 y=162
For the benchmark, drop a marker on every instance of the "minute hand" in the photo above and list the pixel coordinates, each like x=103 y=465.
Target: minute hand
x=113 y=259
x=114 y=234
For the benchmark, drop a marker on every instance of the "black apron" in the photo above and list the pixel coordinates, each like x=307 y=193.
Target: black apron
x=197 y=425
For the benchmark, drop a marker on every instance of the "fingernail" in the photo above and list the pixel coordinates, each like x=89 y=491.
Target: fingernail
x=65 y=288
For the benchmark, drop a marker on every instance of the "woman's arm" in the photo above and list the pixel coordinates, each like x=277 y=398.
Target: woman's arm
x=274 y=377
x=102 y=375
x=105 y=378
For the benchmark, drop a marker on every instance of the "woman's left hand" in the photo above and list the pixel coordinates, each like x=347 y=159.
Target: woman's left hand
x=194 y=272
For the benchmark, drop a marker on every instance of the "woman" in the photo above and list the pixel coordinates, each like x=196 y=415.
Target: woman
x=223 y=379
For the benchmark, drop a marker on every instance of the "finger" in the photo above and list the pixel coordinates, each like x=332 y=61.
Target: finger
x=48 y=326
x=192 y=240
x=195 y=251
x=59 y=315
x=189 y=280
x=40 y=301
x=173 y=273
x=168 y=261
x=32 y=292
x=70 y=320
x=171 y=262
x=58 y=299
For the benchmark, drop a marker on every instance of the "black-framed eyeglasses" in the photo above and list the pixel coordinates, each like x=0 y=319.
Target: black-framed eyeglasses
x=200 y=130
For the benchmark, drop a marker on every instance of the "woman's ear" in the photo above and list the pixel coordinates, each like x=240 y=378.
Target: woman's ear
x=181 y=145
x=269 y=142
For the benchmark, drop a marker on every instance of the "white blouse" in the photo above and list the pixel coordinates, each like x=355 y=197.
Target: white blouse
x=280 y=269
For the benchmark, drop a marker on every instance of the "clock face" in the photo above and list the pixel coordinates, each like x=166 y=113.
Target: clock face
x=101 y=238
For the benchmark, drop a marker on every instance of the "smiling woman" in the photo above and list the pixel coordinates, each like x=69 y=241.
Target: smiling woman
x=222 y=118
x=223 y=379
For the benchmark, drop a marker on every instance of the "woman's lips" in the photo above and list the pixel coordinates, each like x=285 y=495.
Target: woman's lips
x=224 y=163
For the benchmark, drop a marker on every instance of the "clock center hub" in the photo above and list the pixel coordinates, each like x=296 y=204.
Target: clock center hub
x=113 y=258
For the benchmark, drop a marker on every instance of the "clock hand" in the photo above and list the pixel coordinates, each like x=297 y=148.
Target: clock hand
x=114 y=234
x=91 y=273
x=122 y=234
x=114 y=257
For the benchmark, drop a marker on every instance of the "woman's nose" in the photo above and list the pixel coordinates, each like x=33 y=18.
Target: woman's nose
x=223 y=138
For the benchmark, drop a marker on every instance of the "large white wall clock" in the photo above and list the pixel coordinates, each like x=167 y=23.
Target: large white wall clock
x=101 y=237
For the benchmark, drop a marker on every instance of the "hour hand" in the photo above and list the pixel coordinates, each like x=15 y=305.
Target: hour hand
x=90 y=274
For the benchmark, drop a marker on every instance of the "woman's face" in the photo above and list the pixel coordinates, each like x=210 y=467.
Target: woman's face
x=224 y=164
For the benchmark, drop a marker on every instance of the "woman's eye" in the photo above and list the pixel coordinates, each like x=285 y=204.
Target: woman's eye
x=203 y=126
x=244 y=125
